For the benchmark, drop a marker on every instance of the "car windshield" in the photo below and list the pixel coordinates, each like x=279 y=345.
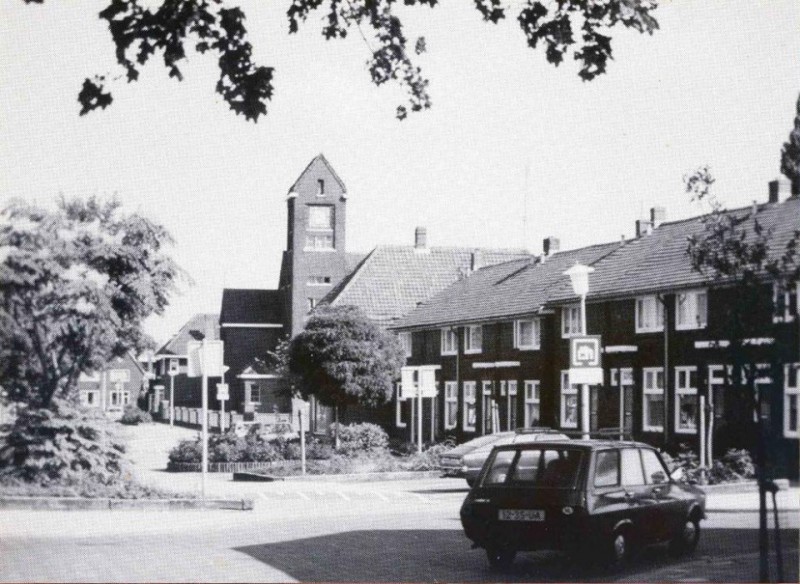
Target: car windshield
x=549 y=467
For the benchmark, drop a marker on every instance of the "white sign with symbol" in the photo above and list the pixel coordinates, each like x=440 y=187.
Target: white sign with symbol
x=222 y=392
x=584 y=360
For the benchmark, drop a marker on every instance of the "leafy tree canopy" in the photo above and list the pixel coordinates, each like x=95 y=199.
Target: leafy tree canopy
x=790 y=155
x=580 y=28
x=343 y=358
x=75 y=285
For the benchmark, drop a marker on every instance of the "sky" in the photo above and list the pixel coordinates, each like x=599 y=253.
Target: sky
x=512 y=151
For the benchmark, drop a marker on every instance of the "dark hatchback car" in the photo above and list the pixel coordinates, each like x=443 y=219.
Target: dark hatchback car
x=582 y=497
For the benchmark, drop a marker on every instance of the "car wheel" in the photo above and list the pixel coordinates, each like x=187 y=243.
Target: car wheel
x=685 y=541
x=619 y=549
x=500 y=558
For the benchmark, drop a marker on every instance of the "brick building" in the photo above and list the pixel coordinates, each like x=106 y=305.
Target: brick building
x=500 y=340
x=120 y=383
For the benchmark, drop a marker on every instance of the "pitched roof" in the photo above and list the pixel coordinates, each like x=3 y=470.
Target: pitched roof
x=321 y=159
x=391 y=280
x=505 y=290
x=208 y=324
x=659 y=261
x=251 y=306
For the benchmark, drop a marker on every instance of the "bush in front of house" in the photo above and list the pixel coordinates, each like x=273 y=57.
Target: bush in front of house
x=61 y=445
x=735 y=465
x=133 y=416
x=187 y=451
x=258 y=450
x=356 y=439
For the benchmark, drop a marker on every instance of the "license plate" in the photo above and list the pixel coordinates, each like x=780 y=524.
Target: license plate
x=521 y=515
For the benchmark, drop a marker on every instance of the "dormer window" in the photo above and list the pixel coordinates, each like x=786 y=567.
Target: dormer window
x=320 y=187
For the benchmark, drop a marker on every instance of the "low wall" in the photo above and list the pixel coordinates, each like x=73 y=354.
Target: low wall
x=228 y=466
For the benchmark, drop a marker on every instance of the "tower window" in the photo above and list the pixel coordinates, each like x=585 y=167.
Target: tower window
x=320 y=227
x=320 y=188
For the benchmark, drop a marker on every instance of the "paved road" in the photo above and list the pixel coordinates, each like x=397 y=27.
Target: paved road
x=386 y=531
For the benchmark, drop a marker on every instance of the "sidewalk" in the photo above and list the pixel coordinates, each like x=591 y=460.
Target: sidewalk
x=747 y=501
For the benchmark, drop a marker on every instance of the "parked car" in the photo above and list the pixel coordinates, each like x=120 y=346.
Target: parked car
x=582 y=497
x=467 y=459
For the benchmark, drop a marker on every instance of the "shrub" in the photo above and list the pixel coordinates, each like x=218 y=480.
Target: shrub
x=133 y=416
x=734 y=465
x=355 y=439
x=317 y=449
x=187 y=451
x=258 y=450
x=226 y=448
x=60 y=445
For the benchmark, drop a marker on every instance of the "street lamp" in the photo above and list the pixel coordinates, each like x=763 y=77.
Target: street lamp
x=579 y=276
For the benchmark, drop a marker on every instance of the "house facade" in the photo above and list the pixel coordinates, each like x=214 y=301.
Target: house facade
x=499 y=341
x=120 y=383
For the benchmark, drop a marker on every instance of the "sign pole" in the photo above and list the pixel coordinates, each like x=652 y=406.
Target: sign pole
x=204 y=365
x=419 y=414
x=585 y=386
x=302 y=442
x=222 y=407
x=171 y=399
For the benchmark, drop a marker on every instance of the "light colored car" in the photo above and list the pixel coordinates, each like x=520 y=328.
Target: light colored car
x=465 y=460
x=265 y=431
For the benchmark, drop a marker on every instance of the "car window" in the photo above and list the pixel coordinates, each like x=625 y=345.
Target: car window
x=606 y=473
x=500 y=467
x=527 y=466
x=559 y=468
x=632 y=474
x=654 y=471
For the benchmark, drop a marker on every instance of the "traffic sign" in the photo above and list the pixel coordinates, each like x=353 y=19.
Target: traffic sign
x=174 y=367
x=209 y=364
x=222 y=392
x=584 y=360
x=418 y=381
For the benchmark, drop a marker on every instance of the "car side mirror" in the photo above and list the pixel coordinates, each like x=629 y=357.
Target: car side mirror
x=658 y=477
x=678 y=475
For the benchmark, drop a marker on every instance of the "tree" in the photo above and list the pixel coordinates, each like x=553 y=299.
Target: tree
x=735 y=251
x=75 y=285
x=343 y=358
x=577 y=27
x=790 y=155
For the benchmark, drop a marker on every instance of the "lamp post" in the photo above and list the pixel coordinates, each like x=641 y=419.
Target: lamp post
x=579 y=277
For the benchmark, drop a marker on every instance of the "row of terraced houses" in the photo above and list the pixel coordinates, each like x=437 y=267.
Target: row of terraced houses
x=495 y=326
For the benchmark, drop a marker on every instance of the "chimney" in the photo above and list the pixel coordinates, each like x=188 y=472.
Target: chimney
x=643 y=227
x=657 y=216
x=550 y=245
x=781 y=187
x=476 y=260
x=421 y=240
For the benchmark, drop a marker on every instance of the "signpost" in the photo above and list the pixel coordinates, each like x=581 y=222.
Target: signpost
x=417 y=383
x=585 y=368
x=205 y=360
x=173 y=371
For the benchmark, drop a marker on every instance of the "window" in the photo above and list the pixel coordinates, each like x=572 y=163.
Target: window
x=653 y=403
x=649 y=314
x=399 y=418
x=527 y=334
x=319 y=280
x=622 y=382
x=785 y=302
x=450 y=404
x=126 y=398
x=469 y=406
x=571 y=321
x=606 y=472
x=569 y=402
x=532 y=403
x=312 y=302
x=691 y=310
x=320 y=187
x=686 y=400
x=488 y=408
x=252 y=393
x=654 y=470
x=405 y=341
x=114 y=398
x=320 y=227
x=449 y=341
x=632 y=473
x=791 y=395
x=500 y=466
x=511 y=404
x=473 y=339
x=88 y=398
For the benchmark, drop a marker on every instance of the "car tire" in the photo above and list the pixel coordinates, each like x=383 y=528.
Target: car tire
x=619 y=548
x=685 y=541
x=500 y=558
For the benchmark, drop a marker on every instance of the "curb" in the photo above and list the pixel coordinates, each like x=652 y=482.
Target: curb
x=86 y=504
x=741 y=487
x=341 y=478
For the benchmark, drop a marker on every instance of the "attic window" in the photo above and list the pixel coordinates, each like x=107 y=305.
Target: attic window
x=320 y=187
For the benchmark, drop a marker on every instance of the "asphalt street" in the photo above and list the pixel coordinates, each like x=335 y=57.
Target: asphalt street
x=394 y=531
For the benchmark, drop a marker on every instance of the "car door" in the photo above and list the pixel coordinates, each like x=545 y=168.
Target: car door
x=658 y=500
x=612 y=503
x=636 y=491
